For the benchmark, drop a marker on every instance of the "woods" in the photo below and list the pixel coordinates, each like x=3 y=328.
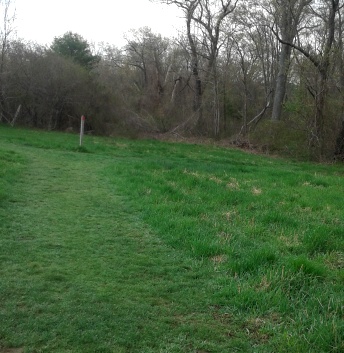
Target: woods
x=263 y=73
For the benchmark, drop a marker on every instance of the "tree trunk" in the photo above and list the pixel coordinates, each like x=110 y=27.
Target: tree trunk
x=197 y=98
x=323 y=65
x=324 y=69
x=216 y=109
x=281 y=82
x=339 y=152
x=317 y=138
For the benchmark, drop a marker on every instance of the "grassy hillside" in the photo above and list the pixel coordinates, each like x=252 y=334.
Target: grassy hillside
x=145 y=246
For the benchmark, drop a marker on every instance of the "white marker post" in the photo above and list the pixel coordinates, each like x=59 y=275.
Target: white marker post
x=82 y=128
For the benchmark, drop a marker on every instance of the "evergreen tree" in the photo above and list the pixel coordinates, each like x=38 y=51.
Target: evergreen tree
x=74 y=46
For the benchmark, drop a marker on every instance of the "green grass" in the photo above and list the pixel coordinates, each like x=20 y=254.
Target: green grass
x=145 y=246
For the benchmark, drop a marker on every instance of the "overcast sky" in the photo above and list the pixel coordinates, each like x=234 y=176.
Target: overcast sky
x=95 y=20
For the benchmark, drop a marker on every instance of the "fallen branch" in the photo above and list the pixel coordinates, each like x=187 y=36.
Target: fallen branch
x=16 y=115
x=260 y=114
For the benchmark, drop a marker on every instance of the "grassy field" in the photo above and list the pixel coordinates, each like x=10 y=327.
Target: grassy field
x=131 y=246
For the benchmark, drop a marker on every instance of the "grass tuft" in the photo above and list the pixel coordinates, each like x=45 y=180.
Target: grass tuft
x=306 y=266
x=82 y=149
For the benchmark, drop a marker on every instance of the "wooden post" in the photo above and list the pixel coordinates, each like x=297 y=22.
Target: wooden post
x=82 y=127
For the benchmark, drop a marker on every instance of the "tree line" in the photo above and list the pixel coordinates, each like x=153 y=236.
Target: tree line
x=264 y=73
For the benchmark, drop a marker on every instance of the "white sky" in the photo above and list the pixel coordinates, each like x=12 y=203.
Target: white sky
x=95 y=20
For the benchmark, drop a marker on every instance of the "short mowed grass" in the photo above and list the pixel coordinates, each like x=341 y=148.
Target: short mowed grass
x=148 y=246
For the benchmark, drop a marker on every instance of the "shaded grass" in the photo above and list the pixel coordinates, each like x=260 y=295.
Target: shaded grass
x=142 y=246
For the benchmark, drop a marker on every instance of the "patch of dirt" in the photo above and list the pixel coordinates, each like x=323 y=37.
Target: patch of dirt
x=219 y=259
x=256 y=191
x=233 y=184
x=223 y=317
x=253 y=329
x=11 y=350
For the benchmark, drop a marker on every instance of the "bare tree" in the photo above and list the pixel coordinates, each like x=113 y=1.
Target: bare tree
x=288 y=15
x=326 y=11
x=204 y=20
x=6 y=30
x=148 y=54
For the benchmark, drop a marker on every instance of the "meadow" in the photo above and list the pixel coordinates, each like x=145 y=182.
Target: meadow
x=143 y=246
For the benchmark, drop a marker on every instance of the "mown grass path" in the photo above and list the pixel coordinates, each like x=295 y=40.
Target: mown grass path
x=80 y=273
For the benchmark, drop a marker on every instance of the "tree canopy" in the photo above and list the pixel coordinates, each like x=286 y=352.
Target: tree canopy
x=74 y=46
